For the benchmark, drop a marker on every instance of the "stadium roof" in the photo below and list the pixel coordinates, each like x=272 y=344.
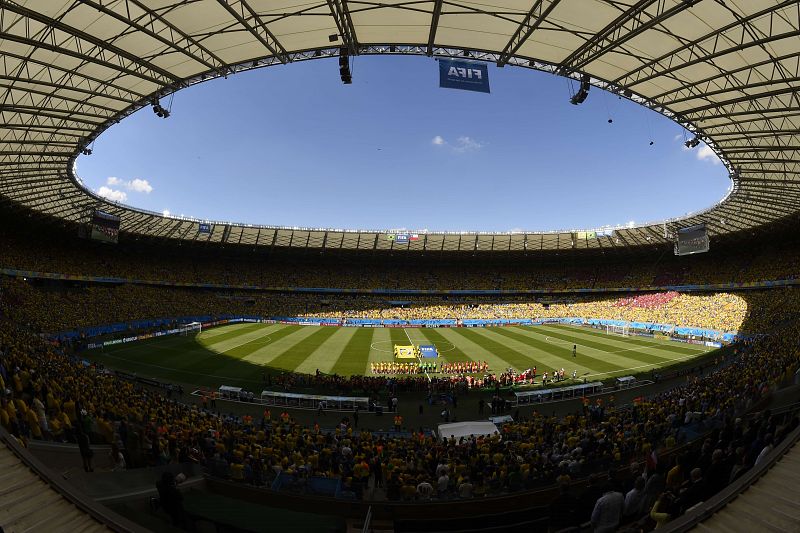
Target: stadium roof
x=729 y=71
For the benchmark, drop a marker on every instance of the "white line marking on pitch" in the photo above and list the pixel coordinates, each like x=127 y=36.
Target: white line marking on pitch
x=642 y=366
x=374 y=347
x=259 y=338
x=408 y=336
x=559 y=341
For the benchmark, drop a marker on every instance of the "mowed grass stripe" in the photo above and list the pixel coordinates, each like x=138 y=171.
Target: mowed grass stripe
x=417 y=338
x=326 y=355
x=398 y=337
x=640 y=354
x=237 y=347
x=294 y=356
x=476 y=352
x=354 y=358
x=185 y=376
x=665 y=349
x=510 y=356
x=451 y=356
x=595 y=364
x=214 y=362
x=223 y=333
x=168 y=351
x=241 y=337
x=279 y=342
x=544 y=361
x=626 y=359
x=380 y=347
x=208 y=333
x=661 y=345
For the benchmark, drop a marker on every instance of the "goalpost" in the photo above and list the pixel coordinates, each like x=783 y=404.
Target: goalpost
x=617 y=330
x=192 y=326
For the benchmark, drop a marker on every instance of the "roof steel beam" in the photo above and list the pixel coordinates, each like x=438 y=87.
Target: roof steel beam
x=39 y=113
x=733 y=79
x=57 y=35
x=535 y=17
x=244 y=14
x=760 y=114
x=748 y=99
x=707 y=96
x=437 y=11
x=152 y=24
x=68 y=114
x=49 y=96
x=628 y=25
x=708 y=47
x=69 y=79
x=344 y=22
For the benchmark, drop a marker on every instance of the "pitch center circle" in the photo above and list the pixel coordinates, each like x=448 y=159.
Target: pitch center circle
x=375 y=345
x=445 y=350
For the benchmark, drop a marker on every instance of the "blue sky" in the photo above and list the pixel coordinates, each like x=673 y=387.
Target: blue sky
x=291 y=145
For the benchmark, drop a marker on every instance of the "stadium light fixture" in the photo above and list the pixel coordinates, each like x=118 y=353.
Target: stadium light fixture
x=159 y=111
x=580 y=96
x=691 y=143
x=344 y=66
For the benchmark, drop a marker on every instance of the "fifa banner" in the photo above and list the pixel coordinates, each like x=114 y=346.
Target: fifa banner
x=204 y=228
x=125 y=340
x=428 y=351
x=692 y=240
x=606 y=232
x=405 y=352
x=464 y=75
x=402 y=238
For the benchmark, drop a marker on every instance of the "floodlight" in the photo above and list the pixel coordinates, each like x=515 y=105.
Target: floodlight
x=691 y=143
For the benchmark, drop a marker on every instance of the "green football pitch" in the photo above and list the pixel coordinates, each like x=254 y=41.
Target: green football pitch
x=240 y=354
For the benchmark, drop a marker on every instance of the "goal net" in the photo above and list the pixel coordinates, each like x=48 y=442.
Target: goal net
x=191 y=327
x=617 y=330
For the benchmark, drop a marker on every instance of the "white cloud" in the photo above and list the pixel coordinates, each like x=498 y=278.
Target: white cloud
x=466 y=144
x=461 y=145
x=140 y=185
x=135 y=185
x=112 y=194
x=166 y=212
x=705 y=153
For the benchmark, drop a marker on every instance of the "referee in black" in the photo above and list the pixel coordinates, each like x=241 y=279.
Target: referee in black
x=574 y=350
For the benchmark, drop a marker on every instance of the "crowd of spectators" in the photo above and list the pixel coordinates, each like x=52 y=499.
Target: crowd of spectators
x=58 y=307
x=648 y=300
x=47 y=393
x=55 y=252
x=717 y=311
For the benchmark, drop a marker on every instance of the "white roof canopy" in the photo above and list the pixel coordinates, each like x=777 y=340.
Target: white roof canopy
x=727 y=71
